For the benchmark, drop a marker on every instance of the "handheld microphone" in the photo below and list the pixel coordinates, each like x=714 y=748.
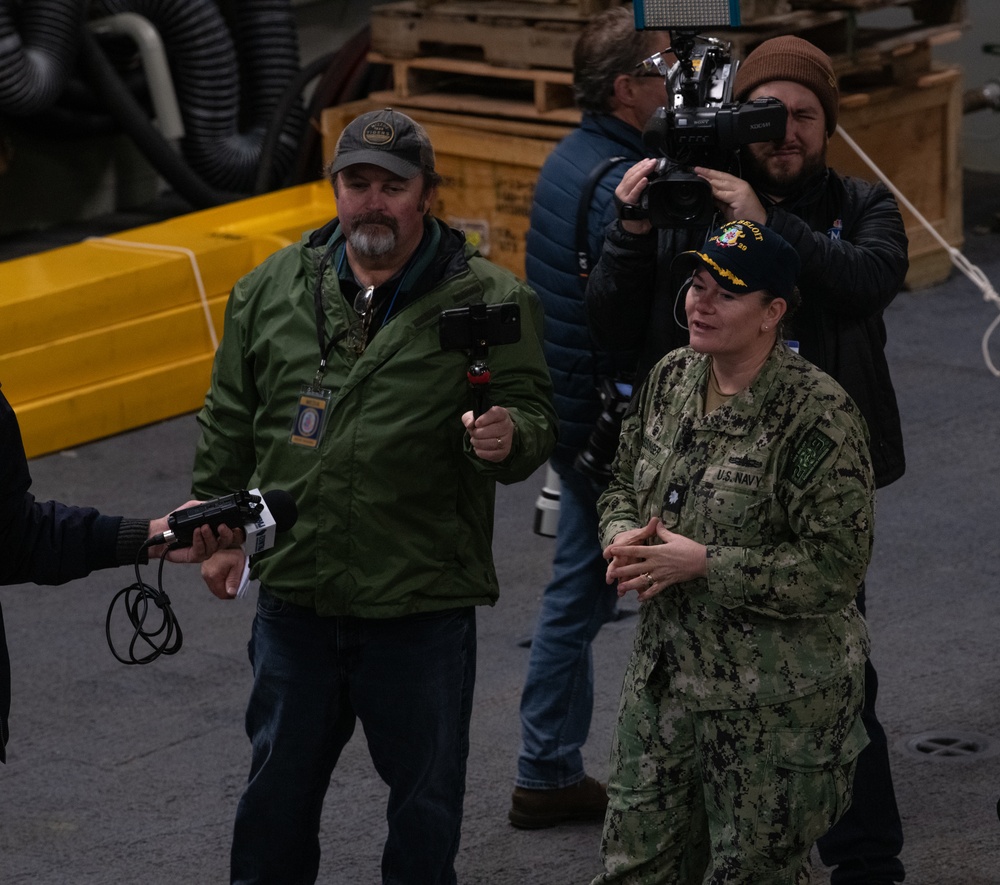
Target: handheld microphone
x=260 y=516
x=278 y=513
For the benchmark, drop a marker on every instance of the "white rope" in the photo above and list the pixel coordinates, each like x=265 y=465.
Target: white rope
x=130 y=244
x=975 y=274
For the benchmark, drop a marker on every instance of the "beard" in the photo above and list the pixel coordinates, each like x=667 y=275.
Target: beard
x=373 y=235
x=781 y=176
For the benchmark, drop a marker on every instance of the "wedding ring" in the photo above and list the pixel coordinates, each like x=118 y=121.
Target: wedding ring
x=499 y=443
x=649 y=579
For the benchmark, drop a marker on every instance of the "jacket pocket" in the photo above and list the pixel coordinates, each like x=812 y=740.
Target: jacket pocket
x=730 y=517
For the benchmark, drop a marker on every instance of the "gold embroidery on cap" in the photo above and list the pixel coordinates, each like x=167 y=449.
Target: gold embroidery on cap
x=723 y=272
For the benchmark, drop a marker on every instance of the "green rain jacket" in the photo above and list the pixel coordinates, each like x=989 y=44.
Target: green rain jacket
x=395 y=512
x=778 y=484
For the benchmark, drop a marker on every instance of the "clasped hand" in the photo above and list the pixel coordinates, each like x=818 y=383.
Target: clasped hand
x=647 y=566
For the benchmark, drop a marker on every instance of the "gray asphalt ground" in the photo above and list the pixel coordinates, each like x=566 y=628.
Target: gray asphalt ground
x=119 y=775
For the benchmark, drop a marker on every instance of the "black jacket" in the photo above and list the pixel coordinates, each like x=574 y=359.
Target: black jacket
x=48 y=543
x=850 y=237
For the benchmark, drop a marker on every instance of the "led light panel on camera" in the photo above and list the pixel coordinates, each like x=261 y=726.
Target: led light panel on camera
x=686 y=14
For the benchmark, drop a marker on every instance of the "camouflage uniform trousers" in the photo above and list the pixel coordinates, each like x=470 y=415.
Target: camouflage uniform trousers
x=709 y=797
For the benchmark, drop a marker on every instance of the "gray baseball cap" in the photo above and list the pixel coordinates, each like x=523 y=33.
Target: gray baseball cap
x=387 y=139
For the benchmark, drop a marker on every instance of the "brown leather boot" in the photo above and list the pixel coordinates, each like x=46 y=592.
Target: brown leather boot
x=538 y=809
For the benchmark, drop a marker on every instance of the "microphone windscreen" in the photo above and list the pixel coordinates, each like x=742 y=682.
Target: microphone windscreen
x=283 y=509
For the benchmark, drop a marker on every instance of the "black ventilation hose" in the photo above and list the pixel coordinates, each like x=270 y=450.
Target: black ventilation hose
x=80 y=112
x=206 y=67
x=40 y=42
x=266 y=171
x=132 y=118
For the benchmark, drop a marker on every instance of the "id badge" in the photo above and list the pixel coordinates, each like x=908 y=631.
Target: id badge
x=310 y=416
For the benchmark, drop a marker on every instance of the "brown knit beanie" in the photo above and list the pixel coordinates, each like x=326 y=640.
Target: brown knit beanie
x=795 y=59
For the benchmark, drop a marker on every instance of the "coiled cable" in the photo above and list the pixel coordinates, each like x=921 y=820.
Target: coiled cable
x=143 y=603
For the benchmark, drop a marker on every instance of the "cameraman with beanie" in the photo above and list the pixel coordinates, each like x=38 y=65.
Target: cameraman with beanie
x=849 y=237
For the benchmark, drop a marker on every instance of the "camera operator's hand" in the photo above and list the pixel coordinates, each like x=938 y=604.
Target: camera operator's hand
x=629 y=191
x=735 y=198
x=491 y=434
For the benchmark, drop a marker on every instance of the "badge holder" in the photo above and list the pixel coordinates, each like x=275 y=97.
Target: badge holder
x=310 y=416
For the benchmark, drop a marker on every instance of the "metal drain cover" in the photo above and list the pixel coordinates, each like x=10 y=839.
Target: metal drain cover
x=950 y=745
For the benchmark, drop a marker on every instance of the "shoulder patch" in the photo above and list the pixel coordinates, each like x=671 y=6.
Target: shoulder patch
x=815 y=447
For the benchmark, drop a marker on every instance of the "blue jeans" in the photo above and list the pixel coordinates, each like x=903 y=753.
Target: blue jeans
x=558 y=697
x=410 y=682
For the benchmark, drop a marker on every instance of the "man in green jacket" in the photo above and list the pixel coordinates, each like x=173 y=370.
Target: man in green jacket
x=332 y=383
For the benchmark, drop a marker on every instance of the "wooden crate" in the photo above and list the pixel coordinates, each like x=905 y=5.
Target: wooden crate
x=913 y=134
x=489 y=169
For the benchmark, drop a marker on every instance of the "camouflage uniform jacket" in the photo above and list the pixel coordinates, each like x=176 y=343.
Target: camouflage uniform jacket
x=777 y=483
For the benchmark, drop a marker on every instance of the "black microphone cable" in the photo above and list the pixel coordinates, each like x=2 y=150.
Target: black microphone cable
x=141 y=602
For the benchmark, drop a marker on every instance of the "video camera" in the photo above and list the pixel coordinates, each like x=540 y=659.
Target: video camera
x=702 y=126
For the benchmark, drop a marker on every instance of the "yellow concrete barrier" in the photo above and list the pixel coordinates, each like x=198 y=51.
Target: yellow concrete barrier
x=113 y=333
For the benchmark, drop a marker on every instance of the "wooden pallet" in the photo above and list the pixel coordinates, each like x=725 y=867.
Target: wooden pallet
x=542 y=35
x=471 y=87
x=507 y=34
x=545 y=95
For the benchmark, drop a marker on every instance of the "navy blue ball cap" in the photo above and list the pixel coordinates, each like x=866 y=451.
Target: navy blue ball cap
x=745 y=257
x=387 y=139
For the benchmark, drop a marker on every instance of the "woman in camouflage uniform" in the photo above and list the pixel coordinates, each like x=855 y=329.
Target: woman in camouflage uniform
x=741 y=514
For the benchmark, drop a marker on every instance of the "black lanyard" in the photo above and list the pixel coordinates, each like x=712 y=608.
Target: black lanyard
x=325 y=347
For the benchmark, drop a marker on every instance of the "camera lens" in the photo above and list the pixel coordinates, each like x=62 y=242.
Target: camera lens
x=686 y=195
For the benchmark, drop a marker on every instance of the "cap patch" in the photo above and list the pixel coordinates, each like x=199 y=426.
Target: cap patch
x=378 y=133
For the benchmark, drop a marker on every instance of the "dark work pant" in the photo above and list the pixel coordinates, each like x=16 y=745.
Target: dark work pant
x=409 y=681
x=864 y=845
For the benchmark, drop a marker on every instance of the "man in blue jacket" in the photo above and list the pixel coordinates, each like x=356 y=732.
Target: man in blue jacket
x=572 y=206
